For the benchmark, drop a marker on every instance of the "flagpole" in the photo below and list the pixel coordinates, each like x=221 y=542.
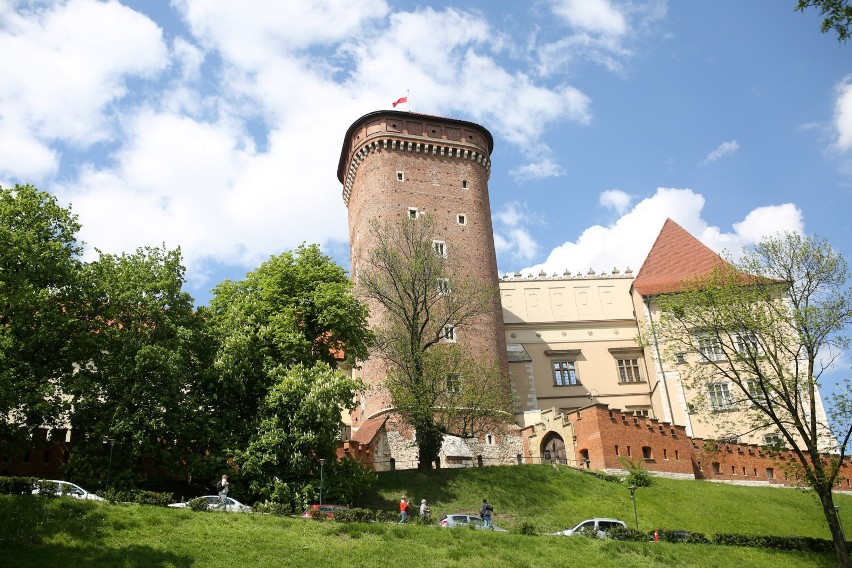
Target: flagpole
x=408 y=99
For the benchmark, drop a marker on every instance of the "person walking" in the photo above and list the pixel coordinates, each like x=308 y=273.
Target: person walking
x=425 y=512
x=485 y=512
x=403 y=510
x=223 y=491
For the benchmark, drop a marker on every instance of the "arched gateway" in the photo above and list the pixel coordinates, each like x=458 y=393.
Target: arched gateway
x=553 y=449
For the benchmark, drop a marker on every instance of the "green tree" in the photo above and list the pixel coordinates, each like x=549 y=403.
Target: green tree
x=837 y=15
x=147 y=380
x=300 y=422
x=39 y=300
x=296 y=308
x=761 y=325
x=435 y=385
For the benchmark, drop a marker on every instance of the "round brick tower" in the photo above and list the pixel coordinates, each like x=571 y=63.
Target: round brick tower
x=395 y=164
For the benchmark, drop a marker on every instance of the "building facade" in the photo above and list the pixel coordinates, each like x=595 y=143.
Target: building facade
x=588 y=390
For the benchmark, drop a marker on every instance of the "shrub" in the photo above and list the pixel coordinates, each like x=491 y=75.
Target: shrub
x=786 y=543
x=527 y=529
x=609 y=478
x=636 y=475
x=198 y=504
x=273 y=508
x=138 y=496
x=17 y=485
x=626 y=533
x=47 y=488
x=697 y=538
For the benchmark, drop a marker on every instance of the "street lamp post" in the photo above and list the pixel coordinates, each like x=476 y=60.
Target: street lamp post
x=322 y=463
x=633 y=498
x=111 y=442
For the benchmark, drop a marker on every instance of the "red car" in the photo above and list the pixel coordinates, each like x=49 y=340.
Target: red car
x=328 y=510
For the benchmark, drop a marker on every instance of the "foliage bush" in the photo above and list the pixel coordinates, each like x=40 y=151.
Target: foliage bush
x=527 y=529
x=138 y=496
x=47 y=488
x=358 y=515
x=17 y=485
x=198 y=504
x=273 y=508
x=785 y=543
x=636 y=475
x=627 y=533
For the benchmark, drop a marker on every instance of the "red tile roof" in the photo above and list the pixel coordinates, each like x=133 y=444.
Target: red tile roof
x=368 y=430
x=675 y=257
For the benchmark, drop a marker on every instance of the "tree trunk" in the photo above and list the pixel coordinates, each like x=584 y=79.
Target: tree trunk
x=831 y=516
x=429 y=439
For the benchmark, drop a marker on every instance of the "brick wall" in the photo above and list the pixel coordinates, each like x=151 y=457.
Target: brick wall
x=604 y=436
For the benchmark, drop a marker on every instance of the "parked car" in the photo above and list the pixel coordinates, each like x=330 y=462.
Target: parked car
x=65 y=488
x=328 y=510
x=463 y=520
x=231 y=505
x=600 y=525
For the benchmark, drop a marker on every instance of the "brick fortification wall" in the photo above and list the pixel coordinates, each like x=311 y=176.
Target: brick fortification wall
x=604 y=436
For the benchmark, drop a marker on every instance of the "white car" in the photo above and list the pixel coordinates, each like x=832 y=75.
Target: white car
x=71 y=490
x=599 y=525
x=213 y=504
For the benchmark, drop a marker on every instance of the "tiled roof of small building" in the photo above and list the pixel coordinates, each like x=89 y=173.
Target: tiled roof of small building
x=676 y=256
x=368 y=430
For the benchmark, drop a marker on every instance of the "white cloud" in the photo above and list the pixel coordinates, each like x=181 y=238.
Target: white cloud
x=595 y=16
x=626 y=242
x=724 y=150
x=843 y=114
x=511 y=237
x=537 y=170
x=63 y=64
x=615 y=199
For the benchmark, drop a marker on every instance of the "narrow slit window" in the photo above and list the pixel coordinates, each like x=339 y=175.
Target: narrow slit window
x=400 y=176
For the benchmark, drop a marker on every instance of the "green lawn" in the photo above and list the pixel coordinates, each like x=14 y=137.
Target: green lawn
x=36 y=531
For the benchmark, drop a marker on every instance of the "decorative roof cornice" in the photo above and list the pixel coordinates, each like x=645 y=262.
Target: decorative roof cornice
x=403 y=143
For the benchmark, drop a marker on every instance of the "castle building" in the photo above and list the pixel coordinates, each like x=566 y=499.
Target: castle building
x=587 y=391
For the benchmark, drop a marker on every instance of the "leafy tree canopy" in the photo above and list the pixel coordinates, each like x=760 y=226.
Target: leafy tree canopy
x=147 y=381
x=39 y=300
x=296 y=308
x=837 y=15
x=759 y=333
x=299 y=424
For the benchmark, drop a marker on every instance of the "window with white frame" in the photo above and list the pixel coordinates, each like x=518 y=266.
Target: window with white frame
x=439 y=248
x=564 y=373
x=753 y=388
x=710 y=348
x=444 y=286
x=746 y=343
x=461 y=219
x=720 y=396
x=400 y=176
x=450 y=333
x=628 y=370
x=453 y=383
x=412 y=213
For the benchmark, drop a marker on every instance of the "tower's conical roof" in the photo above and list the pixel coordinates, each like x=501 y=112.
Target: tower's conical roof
x=676 y=256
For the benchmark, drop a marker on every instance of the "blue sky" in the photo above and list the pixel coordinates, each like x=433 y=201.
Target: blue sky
x=217 y=126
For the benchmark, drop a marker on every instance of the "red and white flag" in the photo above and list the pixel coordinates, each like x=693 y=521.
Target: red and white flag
x=399 y=101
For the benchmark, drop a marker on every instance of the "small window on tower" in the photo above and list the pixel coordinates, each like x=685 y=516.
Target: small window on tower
x=400 y=176
x=439 y=248
x=462 y=219
x=412 y=213
x=464 y=184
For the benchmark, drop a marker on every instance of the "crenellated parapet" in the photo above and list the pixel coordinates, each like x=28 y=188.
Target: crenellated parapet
x=591 y=274
x=443 y=150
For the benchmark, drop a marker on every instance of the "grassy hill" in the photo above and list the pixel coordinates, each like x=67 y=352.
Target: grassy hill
x=37 y=531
